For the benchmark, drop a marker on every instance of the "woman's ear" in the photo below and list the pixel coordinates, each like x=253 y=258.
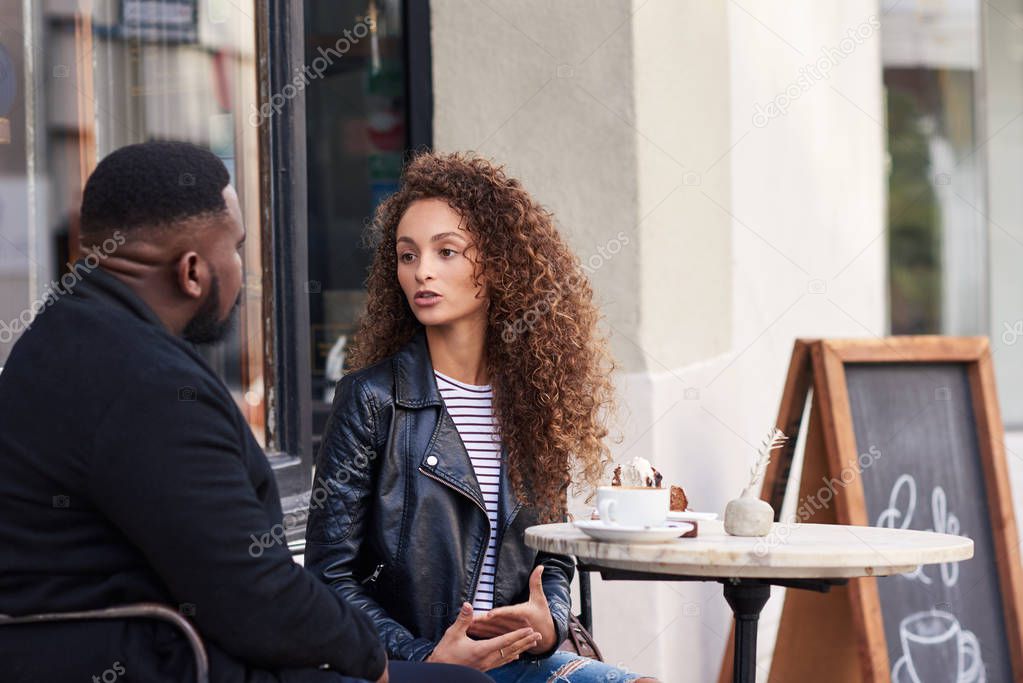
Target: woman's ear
x=191 y=275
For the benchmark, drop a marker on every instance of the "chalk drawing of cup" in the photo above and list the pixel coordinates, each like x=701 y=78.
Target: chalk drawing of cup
x=934 y=644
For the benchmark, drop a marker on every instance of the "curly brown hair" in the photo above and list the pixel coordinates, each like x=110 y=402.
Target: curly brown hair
x=549 y=366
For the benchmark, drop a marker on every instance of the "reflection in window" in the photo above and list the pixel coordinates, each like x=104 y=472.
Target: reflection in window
x=356 y=123
x=125 y=72
x=937 y=243
x=1002 y=123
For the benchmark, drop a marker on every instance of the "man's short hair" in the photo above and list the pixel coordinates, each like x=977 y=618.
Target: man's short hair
x=152 y=184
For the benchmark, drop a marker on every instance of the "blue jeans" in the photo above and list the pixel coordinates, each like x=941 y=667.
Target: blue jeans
x=561 y=667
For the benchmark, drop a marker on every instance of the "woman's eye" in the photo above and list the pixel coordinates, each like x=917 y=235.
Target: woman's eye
x=447 y=253
x=407 y=257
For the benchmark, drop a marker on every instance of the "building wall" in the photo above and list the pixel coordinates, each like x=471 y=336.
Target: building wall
x=682 y=137
x=550 y=95
x=742 y=236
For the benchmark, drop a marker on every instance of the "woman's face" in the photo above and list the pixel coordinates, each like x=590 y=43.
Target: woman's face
x=435 y=265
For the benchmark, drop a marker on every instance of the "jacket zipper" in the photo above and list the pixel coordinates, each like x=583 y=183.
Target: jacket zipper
x=478 y=569
x=375 y=575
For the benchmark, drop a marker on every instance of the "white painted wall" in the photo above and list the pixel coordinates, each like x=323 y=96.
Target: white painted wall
x=547 y=89
x=777 y=235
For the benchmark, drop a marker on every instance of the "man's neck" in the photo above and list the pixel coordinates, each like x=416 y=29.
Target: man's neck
x=146 y=284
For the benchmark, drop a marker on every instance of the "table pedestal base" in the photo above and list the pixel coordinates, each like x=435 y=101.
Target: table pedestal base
x=746 y=601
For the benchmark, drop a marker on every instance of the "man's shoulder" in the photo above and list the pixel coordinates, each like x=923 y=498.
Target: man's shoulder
x=106 y=347
x=132 y=346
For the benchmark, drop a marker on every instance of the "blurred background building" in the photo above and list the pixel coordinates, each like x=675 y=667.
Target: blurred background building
x=836 y=168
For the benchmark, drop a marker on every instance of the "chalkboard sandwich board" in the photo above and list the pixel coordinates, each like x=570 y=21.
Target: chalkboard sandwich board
x=903 y=432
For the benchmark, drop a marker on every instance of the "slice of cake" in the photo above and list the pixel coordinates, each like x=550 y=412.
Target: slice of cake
x=679 y=502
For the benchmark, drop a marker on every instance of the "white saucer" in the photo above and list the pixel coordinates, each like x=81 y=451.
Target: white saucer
x=691 y=516
x=613 y=533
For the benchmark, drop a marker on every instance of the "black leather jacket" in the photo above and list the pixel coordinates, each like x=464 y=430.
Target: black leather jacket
x=397 y=523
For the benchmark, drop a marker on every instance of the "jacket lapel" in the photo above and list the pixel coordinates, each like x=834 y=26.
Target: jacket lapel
x=445 y=457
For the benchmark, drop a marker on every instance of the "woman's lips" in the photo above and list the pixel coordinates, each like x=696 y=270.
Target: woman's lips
x=427 y=299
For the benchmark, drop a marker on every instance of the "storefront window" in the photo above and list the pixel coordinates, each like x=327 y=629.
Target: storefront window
x=936 y=181
x=1003 y=153
x=81 y=79
x=953 y=75
x=357 y=131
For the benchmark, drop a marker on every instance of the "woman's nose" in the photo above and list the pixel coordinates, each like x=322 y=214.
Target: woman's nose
x=424 y=271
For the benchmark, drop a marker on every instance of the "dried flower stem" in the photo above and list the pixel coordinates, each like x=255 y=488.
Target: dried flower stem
x=775 y=439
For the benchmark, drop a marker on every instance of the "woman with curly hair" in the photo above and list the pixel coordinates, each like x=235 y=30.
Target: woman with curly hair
x=477 y=393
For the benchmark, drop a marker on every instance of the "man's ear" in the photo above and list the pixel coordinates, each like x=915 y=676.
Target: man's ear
x=191 y=275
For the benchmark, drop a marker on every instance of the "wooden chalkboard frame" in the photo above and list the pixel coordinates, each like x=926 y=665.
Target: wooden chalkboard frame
x=849 y=620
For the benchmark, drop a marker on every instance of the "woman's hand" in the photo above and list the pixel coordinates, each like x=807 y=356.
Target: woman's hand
x=535 y=613
x=456 y=647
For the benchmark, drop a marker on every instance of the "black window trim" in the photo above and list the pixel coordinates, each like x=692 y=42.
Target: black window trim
x=419 y=73
x=283 y=222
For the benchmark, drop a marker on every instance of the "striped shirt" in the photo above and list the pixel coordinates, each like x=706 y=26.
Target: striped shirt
x=471 y=409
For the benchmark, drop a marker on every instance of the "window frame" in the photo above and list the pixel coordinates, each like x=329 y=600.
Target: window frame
x=283 y=229
x=284 y=233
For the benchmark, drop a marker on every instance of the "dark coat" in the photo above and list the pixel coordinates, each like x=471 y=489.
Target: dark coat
x=128 y=474
x=397 y=523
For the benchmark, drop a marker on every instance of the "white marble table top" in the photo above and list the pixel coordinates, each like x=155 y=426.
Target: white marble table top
x=790 y=551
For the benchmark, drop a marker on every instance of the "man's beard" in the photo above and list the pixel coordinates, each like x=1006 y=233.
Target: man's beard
x=206 y=327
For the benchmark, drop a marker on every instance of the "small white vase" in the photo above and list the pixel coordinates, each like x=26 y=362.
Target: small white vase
x=747 y=515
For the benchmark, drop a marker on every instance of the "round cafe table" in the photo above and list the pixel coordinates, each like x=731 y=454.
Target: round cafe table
x=804 y=556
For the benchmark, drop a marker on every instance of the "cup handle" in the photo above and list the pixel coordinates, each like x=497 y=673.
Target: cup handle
x=970 y=646
x=605 y=510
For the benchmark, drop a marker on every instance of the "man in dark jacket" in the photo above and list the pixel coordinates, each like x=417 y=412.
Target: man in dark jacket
x=127 y=473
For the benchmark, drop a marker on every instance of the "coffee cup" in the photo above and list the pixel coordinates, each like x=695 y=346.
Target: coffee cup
x=633 y=506
x=937 y=636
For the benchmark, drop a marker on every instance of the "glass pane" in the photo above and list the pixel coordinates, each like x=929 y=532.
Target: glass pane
x=937 y=243
x=1003 y=99
x=91 y=77
x=356 y=122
